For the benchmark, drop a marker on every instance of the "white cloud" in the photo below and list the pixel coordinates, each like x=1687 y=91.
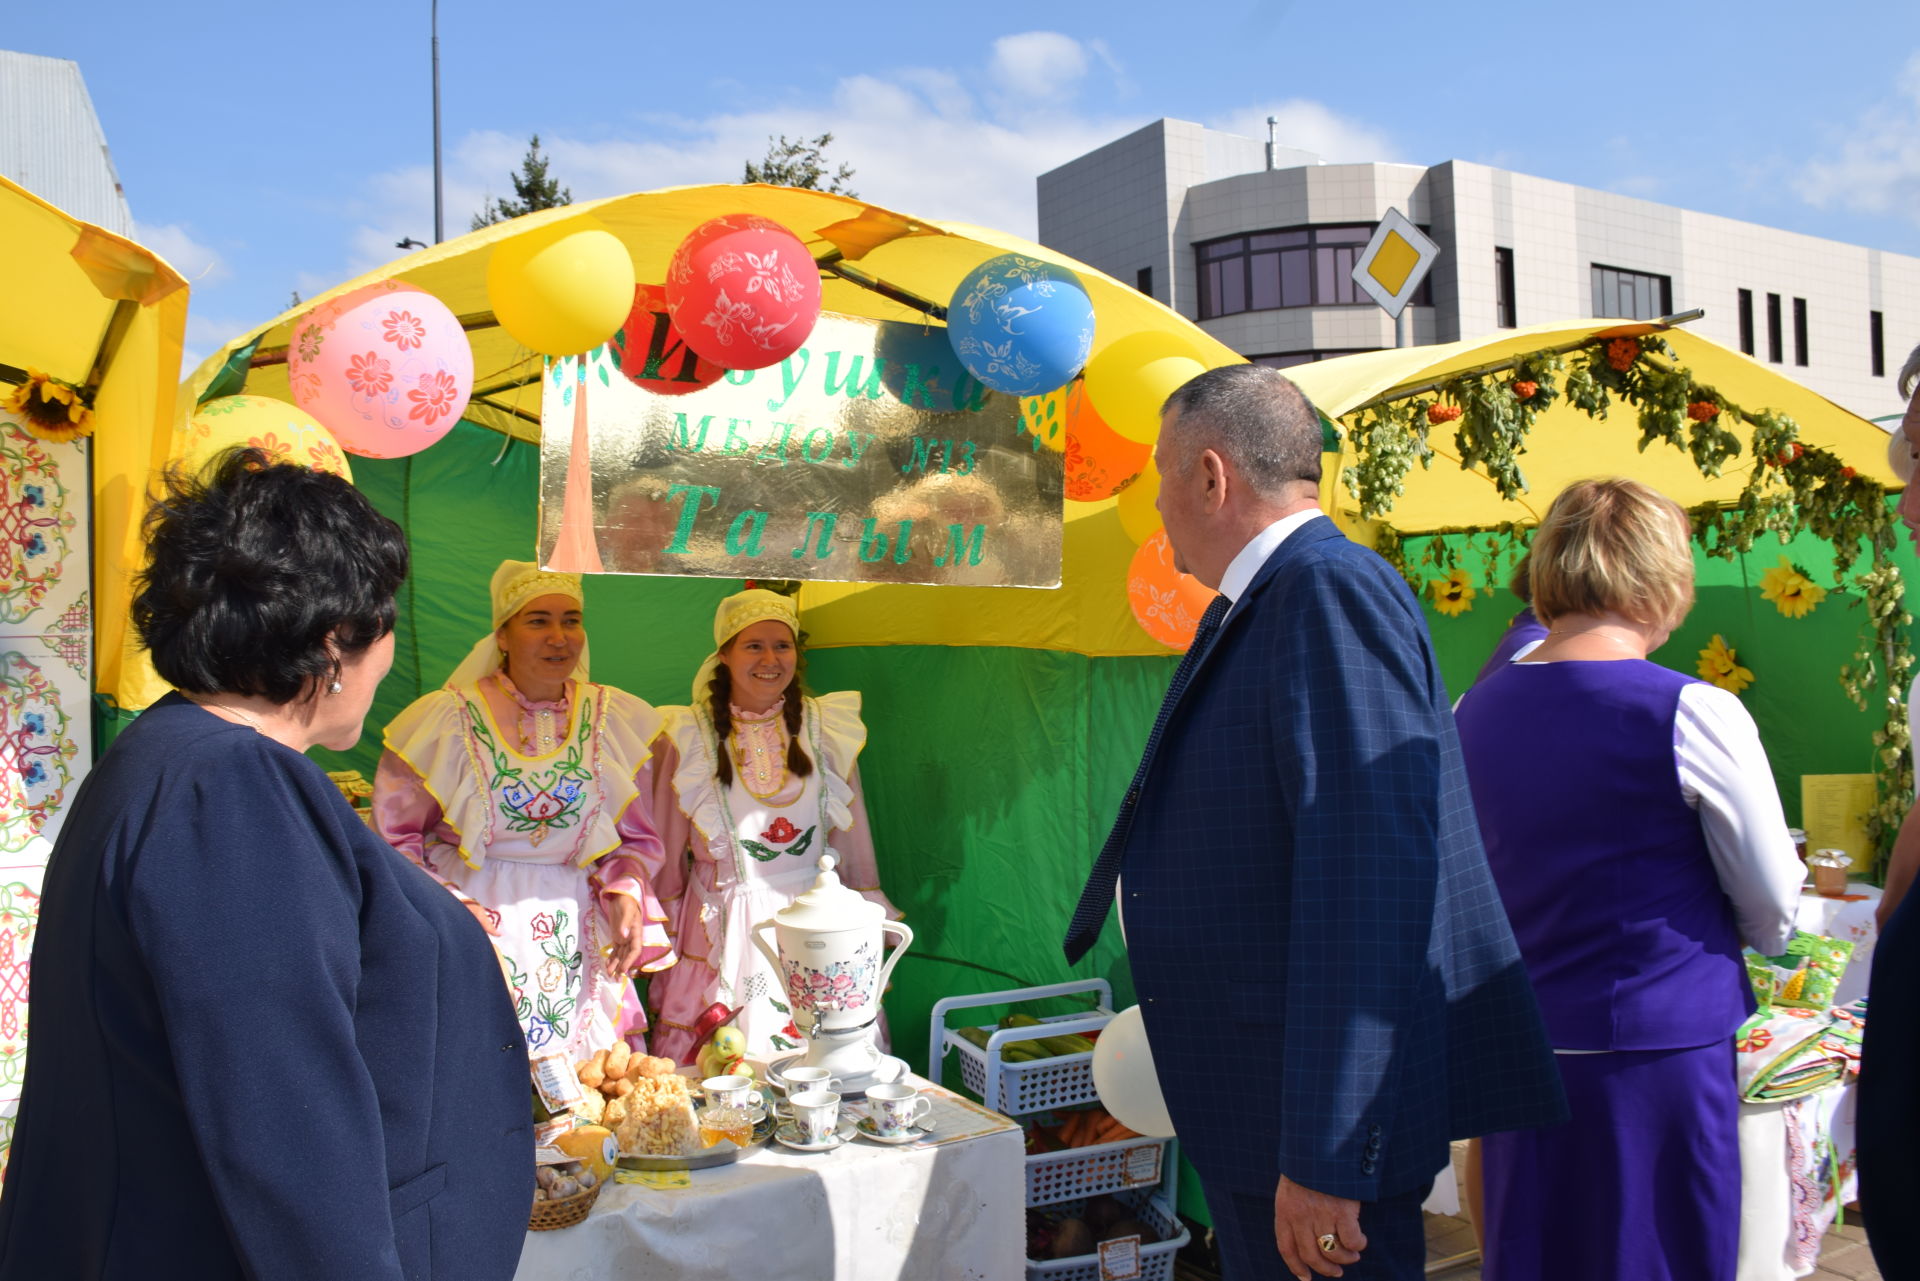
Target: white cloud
x=1037 y=67
x=1876 y=168
x=1311 y=126
x=927 y=141
x=199 y=263
x=206 y=335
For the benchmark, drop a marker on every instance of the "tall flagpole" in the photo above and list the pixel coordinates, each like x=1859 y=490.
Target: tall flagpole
x=439 y=220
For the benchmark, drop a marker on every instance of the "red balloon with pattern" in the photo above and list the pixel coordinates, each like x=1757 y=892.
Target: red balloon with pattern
x=651 y=351
x=743 y=291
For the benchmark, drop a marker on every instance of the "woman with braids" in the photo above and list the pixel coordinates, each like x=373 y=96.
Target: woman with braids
x=521 y=787
x=752 y=783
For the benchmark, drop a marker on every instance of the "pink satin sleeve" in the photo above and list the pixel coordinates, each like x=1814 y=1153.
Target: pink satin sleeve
x=673 y=827
x=406 y=815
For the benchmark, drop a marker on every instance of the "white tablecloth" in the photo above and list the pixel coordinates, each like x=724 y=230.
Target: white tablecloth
x=863 y=1212
x=1766 y=1193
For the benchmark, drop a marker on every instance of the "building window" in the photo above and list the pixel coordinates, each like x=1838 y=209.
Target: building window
x=1288 y=359
x=1503 y=308
x=1776 y=350
x=1143 y=281
x=1746 y=321
x=1632 y=295
x=1800 y=331
x=1877 y=342
x=1296 y=267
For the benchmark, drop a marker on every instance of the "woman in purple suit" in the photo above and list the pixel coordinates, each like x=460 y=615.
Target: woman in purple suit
x=1632 y=827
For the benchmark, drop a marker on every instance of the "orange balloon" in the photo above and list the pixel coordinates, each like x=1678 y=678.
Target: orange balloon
x=1100 y=461
x=1166 y=603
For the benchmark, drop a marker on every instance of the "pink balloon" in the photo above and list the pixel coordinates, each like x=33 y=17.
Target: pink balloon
x=743 y=291
x=387 y=369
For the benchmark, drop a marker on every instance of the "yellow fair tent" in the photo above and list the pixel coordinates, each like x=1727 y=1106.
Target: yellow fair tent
x=102 y=314
x=923 y=259
x=898 y=255
x=1565 y=444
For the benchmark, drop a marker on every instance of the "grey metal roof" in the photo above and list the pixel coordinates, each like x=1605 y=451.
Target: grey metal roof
x=51 y=142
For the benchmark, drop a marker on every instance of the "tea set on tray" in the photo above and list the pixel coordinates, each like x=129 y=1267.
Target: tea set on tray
x=828 y=953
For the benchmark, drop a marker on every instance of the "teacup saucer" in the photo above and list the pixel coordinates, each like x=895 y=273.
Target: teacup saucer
x=787 y=1135
x=908 y=1135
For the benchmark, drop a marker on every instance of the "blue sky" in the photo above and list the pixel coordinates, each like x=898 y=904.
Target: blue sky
x=273 y=148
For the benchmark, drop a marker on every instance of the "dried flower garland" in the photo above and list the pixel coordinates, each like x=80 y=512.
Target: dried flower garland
x=1797 y=489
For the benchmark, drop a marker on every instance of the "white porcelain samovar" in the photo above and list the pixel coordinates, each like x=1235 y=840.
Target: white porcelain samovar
x=831 y=954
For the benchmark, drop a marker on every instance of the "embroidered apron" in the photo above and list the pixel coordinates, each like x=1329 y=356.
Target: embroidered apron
x=551 y=939
x=771 y=859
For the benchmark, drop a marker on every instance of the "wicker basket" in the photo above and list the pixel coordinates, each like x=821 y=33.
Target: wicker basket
x=548 y=1215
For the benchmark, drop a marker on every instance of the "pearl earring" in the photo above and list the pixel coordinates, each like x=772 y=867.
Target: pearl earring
x=334 y=688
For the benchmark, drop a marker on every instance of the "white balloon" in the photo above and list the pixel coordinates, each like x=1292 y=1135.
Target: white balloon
x=1123 y=1076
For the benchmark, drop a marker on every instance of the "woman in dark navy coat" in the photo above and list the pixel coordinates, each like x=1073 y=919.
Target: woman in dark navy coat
x=264 y=1044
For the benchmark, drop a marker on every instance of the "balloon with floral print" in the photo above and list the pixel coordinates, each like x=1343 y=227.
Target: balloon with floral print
x=1166 y=603
x=743 y=291
x=387 y=369
x=284 y=432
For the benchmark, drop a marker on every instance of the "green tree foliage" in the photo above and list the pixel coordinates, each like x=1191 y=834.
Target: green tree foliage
x=801 y=163
x=532 y=189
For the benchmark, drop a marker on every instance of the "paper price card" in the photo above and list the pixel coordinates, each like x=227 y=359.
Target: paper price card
x=1143 y=1165
x=661 y=1179
x=1120 y=1259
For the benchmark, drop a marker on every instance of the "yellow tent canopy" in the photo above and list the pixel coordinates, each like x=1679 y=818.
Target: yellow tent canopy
x=103 y=314
x=1565 y=444
x=923 y=259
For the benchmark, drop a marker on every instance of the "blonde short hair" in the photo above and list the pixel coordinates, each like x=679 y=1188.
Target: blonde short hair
x=1613 y=546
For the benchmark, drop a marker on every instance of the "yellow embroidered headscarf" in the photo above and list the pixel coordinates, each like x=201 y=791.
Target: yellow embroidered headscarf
x=514 y=584
x=734 y=615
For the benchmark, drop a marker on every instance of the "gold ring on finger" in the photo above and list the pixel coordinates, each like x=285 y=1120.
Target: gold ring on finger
x=1329 y=1243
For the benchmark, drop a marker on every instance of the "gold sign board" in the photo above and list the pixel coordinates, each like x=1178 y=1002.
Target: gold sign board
x=868 y=455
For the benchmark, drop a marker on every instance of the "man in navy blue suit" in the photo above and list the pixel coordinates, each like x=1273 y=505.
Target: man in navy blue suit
x=1327 y=977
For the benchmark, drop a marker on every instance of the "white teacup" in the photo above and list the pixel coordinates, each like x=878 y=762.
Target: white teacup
x=816 y=1114
x=731 y=1091
x=801 y=1079
x=895 y=1109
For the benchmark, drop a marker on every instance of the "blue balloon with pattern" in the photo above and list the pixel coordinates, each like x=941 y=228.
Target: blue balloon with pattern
x=1021 y=325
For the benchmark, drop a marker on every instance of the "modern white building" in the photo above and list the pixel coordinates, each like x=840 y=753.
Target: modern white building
x=1256 y=242
x=51 y=142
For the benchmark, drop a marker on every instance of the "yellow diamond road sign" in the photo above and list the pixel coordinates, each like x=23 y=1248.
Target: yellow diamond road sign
x=1396 y=260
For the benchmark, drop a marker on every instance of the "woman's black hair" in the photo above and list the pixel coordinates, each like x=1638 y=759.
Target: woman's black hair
x=261 y=574
x=720 y=706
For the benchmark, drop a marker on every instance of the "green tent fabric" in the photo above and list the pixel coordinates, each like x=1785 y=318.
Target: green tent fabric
x=991 y=774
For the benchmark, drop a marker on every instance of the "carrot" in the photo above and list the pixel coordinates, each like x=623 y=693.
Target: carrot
x=1073 y=1130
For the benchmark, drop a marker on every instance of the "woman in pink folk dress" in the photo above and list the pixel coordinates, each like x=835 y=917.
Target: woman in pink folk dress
x=522 y=787
x=752 y=784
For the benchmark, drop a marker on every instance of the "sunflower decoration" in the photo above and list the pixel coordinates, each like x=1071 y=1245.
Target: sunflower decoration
x=1790 y=590
x=1452 y=595
x=49 y=409
x=1720 y=665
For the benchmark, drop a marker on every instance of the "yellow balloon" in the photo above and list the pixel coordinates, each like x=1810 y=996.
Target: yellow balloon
x=1139 y=517
x=561 y=289
x=1132 y=377
x=285 y=432
x=1044 y=418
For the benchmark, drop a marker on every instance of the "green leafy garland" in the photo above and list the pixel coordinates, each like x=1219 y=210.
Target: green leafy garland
x=1794 y=489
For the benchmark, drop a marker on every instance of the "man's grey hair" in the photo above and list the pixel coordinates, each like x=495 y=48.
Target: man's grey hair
x=1909 y=374
x=1254 y=418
